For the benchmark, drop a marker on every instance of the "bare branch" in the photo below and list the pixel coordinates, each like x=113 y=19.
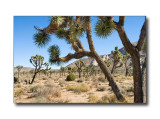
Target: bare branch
x=142 y=37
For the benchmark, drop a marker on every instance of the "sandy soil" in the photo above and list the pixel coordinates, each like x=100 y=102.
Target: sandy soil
x=58 y=82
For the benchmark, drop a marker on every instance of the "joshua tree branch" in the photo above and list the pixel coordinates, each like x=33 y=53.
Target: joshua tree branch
x=142 y=37
x=123 y=36
x=121 y=20
x=75 y=56
x=89 y=35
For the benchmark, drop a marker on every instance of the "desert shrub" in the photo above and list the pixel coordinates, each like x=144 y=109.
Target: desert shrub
x=62 y=83
x=19 y=92
x=35 y=88
x=101 y=88
x=78 y=88
x=50 y=83
x=71 y=77
x=42 y=99
x=106 y=99
x=102 y=79
x=79 y=80
x=15 y=79
x=92 y=98
x=129 y=89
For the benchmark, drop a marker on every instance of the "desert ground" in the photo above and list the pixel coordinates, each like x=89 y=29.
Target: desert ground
x=87 y=89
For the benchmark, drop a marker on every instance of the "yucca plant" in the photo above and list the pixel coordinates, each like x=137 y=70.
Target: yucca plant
x=19 y=68
x=117 y=59
x=80 y=64
x=38 y=62
x=127 y=63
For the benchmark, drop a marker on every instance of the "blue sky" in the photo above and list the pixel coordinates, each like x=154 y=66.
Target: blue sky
x=24 y=46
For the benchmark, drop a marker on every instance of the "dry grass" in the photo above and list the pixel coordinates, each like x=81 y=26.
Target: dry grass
x=102 y=79
x=19 y=92
x=93 y=99
x=101 y=88
x=78 y=88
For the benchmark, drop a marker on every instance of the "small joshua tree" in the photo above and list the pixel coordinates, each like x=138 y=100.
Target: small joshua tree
x=80 y=64
x=37 y=62
x=87 y=70
x=19 y=67
x=62 y=69
x=117 y=58
x=126 y=63
x=93 y=70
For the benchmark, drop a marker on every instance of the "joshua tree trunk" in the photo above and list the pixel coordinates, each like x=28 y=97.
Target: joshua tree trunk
x=33 y=78
x=79 y=74
x=134 y=52
x=126 y=74
x=144 y=80
x=112 y=69
x=110 y=78
x=138 y=93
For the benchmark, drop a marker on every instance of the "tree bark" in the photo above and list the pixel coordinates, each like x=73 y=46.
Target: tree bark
x=33 y=79
x=134 y=52
x=110 y=78
x=138 y=93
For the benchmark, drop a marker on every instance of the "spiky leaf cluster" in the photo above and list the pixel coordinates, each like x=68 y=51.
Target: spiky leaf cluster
x=108 y=63
x=57 y=20
x=41 y=39
x=54 y=53
x=104 y=27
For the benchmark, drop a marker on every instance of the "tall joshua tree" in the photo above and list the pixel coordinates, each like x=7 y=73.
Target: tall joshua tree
x=132 y=50
x=70 y=29
x=37 y=62
x=80 y=64
x=19 y=68
x=117 y=59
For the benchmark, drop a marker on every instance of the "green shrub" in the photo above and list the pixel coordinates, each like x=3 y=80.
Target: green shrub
x=71 y=77
x=15 y=79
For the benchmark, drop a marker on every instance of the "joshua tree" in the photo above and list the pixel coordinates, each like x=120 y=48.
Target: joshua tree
x=70 y=29
x=131 y=49
x=69 y=69
x=37 y=62
x=80 y=64
x=62 y=69
x=87 y=69
x=108 y=63
x=19 y=67
x=126 y=63
x=93 y=70
x=117 y=59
